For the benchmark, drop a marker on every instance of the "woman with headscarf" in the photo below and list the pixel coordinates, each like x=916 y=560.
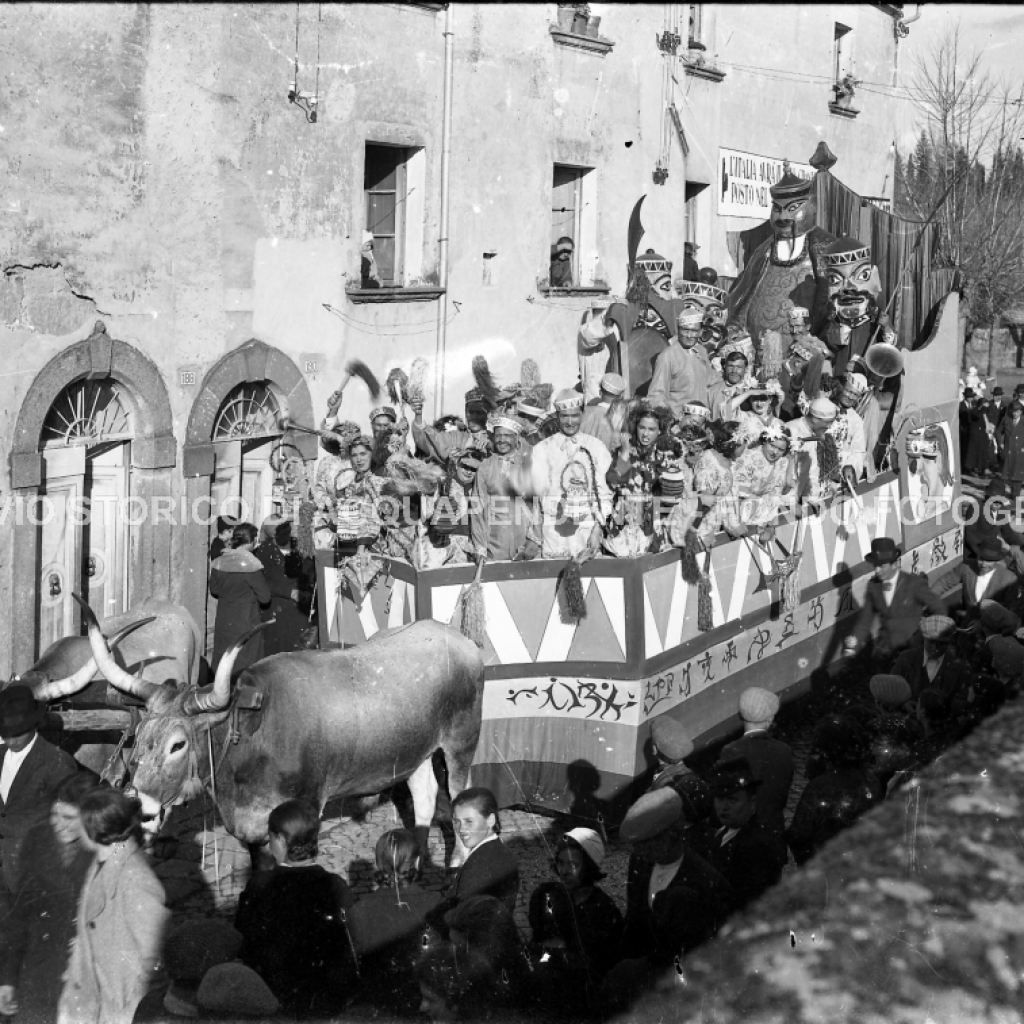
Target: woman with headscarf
x=40 y=923
x=238 y=583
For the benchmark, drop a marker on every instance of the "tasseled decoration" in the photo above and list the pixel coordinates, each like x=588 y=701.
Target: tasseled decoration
x=828 y=459
x=417 y=379
x=570 y=582
x=409 y=476
x=771 y=356
x=812 y=377
x=529 y=375
x=398 y=387
x=791 y=586
x=688 y=564
x=485 y=384
x=705 y=609
x=304 y=539
x=357 y=368
x=474 y=612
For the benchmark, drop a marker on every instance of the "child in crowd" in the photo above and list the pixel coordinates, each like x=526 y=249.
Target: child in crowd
x=387 y=925
x=490 y=869
x=293 y=920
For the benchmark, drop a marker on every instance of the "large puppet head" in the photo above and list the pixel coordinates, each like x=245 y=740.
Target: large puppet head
x=658 y=271
x=794 y=208
x=708 y=299
x=853 y=284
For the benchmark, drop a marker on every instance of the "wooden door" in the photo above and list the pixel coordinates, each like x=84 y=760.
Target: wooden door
x=60 y=543
x=106 y=534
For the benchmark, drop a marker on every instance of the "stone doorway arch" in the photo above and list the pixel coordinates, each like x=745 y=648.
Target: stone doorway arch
x=254 y=362
x=153 y=457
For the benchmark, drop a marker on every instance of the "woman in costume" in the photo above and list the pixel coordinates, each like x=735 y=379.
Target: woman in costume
x=758 y=412
x=635 y=476
x=760 y=476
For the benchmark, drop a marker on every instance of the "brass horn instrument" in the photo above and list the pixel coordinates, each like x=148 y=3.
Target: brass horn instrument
x=286 y=423
x=884 y=360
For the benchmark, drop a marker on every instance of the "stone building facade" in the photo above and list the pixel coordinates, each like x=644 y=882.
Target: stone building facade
x=181 y=244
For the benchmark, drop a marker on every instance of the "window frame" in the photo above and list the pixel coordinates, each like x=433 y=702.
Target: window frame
x=397 y=279
x=578 y=173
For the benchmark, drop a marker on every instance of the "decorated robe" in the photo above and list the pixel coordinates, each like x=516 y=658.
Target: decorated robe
x=558 y=535
x=769 y=287
x=848 y=430
x=758 y=486
x=499 y=518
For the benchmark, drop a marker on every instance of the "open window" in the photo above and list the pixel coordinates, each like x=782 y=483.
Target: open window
x=573 y=252
x=384 y=186
x=844 y=84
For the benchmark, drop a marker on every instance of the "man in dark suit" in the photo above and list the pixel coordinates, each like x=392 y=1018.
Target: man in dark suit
x=897 y=599
x=742 y=850
x=978 y=579
x=663 y=862
x=770 y=759
x=30 y=771
x=933 y=667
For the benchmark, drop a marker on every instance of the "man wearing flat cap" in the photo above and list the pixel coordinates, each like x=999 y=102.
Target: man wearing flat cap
x=932 y=667
x=658 y=826
x=896 y=599
x=670 y=744
x=770 y=759
x=978 y=578
x=30 y=771
x=741 y=849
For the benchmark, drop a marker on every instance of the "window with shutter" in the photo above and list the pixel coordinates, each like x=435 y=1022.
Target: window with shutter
x=384 y=184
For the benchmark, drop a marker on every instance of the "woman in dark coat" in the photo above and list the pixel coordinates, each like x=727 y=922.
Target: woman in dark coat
x=282 y=569
x=36 y=934
x=238 y=583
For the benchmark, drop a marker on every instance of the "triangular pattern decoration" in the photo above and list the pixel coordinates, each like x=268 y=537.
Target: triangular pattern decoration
x=530 y=603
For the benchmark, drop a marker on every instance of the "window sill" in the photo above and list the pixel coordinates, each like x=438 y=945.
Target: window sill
x=555 y=293
x=592 y=44
x=848 y=112
x=418 y=294
x=705 y=71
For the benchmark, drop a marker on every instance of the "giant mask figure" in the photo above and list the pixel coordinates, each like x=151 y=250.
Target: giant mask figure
x=855 y=317
x=709 y=299
x=788 y=269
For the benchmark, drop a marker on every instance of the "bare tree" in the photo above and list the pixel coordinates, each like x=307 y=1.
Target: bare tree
x=968 y=171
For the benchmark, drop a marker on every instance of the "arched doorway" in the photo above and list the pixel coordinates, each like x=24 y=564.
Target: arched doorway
x=94 y=426
x=245 y=435
x=234 y=451
x=84 y=533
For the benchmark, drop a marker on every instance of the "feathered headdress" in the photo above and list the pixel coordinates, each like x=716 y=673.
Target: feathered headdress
x=357 y=368
x=408 y=476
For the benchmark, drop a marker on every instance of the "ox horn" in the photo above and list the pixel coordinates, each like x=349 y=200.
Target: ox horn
x=219 y=695
x=111 y=671
x=57 y=688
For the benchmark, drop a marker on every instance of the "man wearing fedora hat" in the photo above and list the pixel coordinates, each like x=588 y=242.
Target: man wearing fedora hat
x=897 y=599
x=984 y=577
x=1009 y=439
x=30 y=771
x=741 y=849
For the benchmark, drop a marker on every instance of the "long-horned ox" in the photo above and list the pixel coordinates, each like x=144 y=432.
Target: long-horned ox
x=333 y=723
x=157 y=640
